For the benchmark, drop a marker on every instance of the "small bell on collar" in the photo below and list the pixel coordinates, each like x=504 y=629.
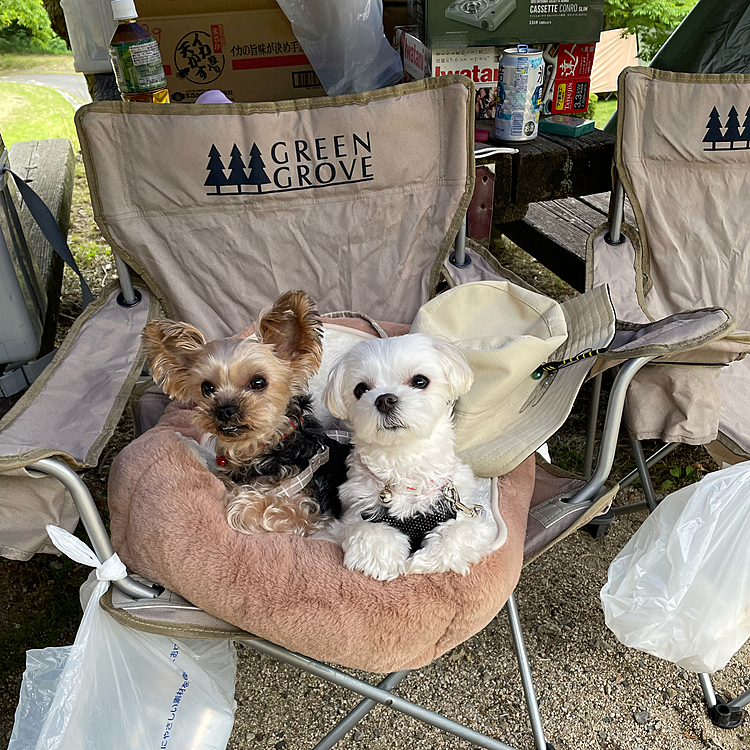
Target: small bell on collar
x=386 y=494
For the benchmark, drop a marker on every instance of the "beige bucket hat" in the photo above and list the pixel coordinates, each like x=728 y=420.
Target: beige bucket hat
x=507 y=333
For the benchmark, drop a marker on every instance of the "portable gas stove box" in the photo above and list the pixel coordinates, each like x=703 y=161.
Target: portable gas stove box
x=469 y=23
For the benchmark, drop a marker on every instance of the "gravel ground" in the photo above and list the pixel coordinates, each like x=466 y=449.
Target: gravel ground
x=593 y=692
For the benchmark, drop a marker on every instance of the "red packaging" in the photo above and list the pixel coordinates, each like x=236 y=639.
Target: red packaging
x=572 y=78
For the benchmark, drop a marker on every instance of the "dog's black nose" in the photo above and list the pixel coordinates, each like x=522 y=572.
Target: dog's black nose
x=224 y=412
x=386 y=402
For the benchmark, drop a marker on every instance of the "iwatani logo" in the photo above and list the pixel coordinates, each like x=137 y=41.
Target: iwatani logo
x=284 y=166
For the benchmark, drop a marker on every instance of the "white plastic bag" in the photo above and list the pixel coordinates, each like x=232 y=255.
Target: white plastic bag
x=344 y=42
x=120 y=689
x=680 y=588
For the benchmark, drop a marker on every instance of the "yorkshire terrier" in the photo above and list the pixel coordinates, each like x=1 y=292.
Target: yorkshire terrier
x=250 y=395
x=407 y=500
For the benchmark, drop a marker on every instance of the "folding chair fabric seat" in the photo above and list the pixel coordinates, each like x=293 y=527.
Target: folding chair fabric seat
x=686 y=172
x=296 y=592
x=70 y=412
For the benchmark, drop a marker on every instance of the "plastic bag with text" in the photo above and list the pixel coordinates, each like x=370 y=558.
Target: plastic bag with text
x=120 y=689
x=680 y=588
x=345 y=44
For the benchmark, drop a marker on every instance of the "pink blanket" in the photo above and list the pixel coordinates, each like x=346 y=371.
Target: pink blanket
x=168 y=524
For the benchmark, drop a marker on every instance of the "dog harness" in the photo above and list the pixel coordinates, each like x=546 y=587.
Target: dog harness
x=418 y=526
x=294 y=485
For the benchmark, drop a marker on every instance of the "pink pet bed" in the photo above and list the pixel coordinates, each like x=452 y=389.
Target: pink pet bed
x=168 y=524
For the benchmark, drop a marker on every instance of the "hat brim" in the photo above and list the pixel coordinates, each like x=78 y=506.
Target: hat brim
x=496 y=441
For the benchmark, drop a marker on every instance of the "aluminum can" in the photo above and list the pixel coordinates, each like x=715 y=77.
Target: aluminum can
x=519 y=94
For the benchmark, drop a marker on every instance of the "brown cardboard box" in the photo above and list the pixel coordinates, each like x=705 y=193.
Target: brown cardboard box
x=159 y=8
x=251 y=54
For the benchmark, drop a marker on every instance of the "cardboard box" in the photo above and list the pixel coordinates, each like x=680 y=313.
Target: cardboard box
x=251 y=55
x=415 y=56
x=569 y=78
x=478 y=63
x=465 y=23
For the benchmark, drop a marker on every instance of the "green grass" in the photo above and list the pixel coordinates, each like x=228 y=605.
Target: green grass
x=603 y=111
x=31 y=113
x=12 y=62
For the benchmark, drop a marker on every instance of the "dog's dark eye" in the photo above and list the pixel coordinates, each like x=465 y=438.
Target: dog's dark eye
x=360 y=389
x=207 y=389
x=420 y=381
x=257 y=383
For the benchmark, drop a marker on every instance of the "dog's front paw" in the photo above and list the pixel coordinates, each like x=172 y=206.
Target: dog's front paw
x=377 y=550
x=453 y=546
x=426 y=561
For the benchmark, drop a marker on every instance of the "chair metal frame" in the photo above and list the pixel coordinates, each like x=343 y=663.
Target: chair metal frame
x=381 y=693
x=724 y=714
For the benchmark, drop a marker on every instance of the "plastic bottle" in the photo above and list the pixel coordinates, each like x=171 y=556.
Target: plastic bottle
x=136 y=58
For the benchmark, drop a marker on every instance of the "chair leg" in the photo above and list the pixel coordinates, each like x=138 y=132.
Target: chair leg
x=722 y=714
x=92 y=522
x=358 y=712
x=588 y=459
x=640 y=462
x=526 y=679
x=377 y=694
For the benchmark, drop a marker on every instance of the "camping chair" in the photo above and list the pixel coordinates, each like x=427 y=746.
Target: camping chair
x=683 y=160
x=214 y=244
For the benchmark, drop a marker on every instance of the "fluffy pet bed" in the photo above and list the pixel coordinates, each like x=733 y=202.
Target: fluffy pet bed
x=168 y=524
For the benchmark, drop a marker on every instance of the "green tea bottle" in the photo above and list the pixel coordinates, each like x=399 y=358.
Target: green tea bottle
x=136 y=58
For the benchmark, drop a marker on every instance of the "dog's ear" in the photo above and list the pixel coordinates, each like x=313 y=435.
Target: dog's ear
x=457 y=371
x=333 y=395
x=294 y=332
x=171 y=348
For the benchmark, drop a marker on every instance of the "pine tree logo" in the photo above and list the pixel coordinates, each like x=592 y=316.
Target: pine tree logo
x=237 y=174
x=257 y=169
x=216 y=177
x=732 y=133
x=727 y=137
x=300 y=164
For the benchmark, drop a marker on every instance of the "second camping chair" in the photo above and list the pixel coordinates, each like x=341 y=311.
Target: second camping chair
x=682 y=158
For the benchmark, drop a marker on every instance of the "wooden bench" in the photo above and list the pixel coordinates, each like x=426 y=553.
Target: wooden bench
x=555 y=233
x=537 y=197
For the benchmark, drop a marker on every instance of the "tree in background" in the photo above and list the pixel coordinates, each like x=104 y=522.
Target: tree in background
x=25 y=27
x=652 y=20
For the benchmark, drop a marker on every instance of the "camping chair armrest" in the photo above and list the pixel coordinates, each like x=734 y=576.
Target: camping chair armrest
x=73 y=407
x=92 y=522
x=615 y=407
x=673 y=335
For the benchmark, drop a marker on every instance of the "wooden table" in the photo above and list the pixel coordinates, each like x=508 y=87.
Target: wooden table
x=552 y=168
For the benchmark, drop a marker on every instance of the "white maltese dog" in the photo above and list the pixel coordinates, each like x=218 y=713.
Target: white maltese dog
x=407 y=499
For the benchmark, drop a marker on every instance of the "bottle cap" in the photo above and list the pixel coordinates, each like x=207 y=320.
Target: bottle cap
x=124 y=10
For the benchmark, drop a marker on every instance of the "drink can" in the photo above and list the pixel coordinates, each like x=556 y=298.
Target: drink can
x=519 y=94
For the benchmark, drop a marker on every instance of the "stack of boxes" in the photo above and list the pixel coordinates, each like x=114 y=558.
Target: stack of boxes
x=468 y=37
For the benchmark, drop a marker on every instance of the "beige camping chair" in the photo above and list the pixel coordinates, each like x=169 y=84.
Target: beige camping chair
x=683 y=160
x=355 y=199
